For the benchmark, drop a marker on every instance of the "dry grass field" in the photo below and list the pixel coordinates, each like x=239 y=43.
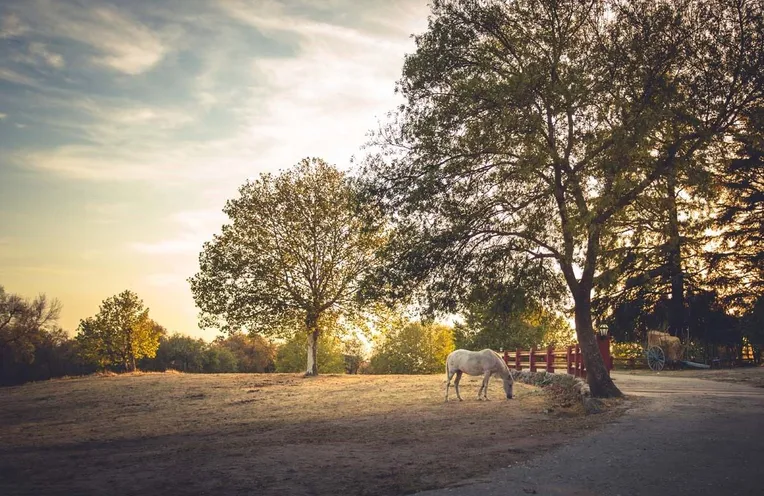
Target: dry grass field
x=267 y=434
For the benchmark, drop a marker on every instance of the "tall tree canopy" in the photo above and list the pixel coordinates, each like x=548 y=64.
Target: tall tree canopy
x=296 y=250
x=120 y=333
x=738 y=259
x=529 y=124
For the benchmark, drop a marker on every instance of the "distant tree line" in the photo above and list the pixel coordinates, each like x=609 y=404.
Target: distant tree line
x=122 y=337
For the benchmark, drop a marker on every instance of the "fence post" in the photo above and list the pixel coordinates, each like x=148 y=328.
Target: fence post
x=506 y=357
x=570 y=359
x=549 y=359
x=518 y=365
x=532 y=359
x=578 y=362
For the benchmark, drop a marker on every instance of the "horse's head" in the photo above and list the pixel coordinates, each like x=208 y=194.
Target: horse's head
x=509 y=381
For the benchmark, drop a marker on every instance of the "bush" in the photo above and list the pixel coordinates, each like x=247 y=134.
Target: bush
x=412 y=349
x=253 y=354
x=219 y=359
x=628 y=350
x=182 y=353
x=291 y=356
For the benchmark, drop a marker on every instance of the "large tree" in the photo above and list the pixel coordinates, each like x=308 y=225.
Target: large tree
x=120 y=333
x=291 y=259
x=529 y=124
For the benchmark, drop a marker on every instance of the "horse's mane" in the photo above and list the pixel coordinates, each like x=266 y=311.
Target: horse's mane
x=500 y=357
x=509 y=370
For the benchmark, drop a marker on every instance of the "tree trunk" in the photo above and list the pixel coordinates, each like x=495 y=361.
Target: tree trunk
x=312 y=348
x=311 y=323
x=674 y=261
x=132 y=362
x=600 y=383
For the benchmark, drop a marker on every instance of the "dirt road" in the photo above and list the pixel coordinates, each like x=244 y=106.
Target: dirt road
x=683 y=436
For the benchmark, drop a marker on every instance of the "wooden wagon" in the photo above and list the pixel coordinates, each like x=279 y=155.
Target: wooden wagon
x=663 y=349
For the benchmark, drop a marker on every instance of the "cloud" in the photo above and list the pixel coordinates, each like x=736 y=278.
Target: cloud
x=11 y=26
x=118 y=40
x=166 y=279
x=192 y=228
x=3 y=116
x=168 y=247
x=41 y=51
x=106 y=213
x=12 y=76
x=49 y=270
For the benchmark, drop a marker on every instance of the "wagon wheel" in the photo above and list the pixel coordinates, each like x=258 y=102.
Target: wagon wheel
x=656 y=359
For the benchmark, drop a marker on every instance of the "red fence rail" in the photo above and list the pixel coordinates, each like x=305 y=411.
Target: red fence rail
x=570 y=359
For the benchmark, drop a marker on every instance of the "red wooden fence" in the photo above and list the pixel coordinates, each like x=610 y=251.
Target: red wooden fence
x=570 y=359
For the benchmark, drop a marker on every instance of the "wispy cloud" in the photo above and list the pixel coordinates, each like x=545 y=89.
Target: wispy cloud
x=118 y=40
x=190 y=229
x=106 y=213
x=12 y=76
x=40 y=51
x=11 y=26
x=3 y=116
x=168 y=247
x=166 y=279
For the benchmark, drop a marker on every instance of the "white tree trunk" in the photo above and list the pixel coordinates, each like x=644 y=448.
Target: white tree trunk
x=312 y=368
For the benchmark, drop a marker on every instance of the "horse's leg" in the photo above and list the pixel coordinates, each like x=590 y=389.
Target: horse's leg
x=486 y=379
x=456 y=383
x=449 y=375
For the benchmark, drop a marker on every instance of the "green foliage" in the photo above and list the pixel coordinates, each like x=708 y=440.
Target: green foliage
x=353 y=353
x=413 y=348
x=253 y=354
x=628 y=350
x=120 y=334
x=510 y=315
x=234 y=353
x=219 y=359
x=297 y=247
x=24 y=324
x=290 y=356
x=182 y=353
x=737 y=259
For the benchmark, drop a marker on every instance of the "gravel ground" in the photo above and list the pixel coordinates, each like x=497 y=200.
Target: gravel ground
x=682 y=436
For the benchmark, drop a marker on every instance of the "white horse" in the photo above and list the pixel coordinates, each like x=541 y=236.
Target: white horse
x=486 y=362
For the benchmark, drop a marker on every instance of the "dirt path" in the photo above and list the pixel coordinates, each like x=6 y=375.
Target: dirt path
x=684 y=436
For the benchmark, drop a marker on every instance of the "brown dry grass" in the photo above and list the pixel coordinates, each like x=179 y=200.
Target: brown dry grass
x=266 y=434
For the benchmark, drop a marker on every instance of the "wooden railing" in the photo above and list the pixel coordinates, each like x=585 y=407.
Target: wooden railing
x=570 y=359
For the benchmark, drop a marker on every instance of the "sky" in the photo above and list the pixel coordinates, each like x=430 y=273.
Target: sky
x=126 y=125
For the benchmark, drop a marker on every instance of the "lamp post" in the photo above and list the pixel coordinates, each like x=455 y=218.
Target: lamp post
x=602 y=330
x=604 y=345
